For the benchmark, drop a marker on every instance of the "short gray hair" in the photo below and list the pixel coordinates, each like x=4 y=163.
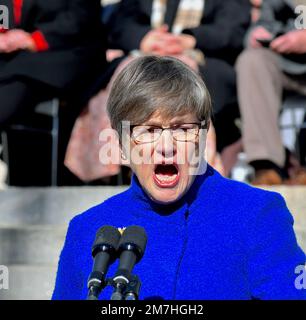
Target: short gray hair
x=152 y=83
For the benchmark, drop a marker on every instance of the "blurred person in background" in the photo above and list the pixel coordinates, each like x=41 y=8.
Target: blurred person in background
x=275 y=59
x=206 y=35
x=50 y=49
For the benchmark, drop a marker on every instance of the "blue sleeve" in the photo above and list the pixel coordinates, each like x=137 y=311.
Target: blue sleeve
x=69 y=280
x=275 y=255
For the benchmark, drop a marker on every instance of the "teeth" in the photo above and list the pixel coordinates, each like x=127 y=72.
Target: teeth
x=165 y=178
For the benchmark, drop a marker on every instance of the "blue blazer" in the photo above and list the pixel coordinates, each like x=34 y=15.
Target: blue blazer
x=223 y=240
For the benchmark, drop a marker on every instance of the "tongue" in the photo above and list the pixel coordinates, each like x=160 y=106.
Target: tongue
x=167 y=170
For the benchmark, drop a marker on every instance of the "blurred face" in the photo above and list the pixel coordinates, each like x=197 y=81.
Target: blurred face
x=166 y=161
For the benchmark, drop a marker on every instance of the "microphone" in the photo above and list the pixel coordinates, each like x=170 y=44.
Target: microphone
x=104 y=252
x=130 y=249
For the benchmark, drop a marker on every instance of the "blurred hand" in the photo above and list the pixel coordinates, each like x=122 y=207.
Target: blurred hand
x=16 y=39
x=291 y=42
x=152 y=38
x=161 y=42
x=112 y=54
x=2 y=42
x=187 y=41
x=259 y=33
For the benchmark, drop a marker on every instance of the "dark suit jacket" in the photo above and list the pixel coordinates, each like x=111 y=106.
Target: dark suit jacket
x=74 y=36
x=220 y=34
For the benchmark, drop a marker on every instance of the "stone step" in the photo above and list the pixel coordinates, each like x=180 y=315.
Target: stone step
x=295 y=197
x=43 y=245
x=52 y=206
x=56 y=206
x=31 y=237
x=33 y=224
x=35 y=282
x=31 y=245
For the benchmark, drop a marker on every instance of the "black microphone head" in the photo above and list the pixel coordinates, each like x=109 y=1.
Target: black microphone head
x=107 y=240
x=133 y=238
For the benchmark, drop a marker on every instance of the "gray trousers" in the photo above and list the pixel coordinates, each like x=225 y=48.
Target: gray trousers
x=260 y=83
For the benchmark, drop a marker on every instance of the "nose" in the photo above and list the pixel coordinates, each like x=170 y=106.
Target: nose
x=166 y=145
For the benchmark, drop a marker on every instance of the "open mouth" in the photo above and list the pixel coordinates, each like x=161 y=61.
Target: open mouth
x=166 y=175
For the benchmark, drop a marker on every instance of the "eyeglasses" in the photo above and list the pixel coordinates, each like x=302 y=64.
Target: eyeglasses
x=182 y=132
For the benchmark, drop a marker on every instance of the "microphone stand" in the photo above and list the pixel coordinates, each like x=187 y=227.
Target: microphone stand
x=133 y=288
x=95 y=285
x=126 y=289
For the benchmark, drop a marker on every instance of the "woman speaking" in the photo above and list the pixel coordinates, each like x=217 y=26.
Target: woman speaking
x=208 y=237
